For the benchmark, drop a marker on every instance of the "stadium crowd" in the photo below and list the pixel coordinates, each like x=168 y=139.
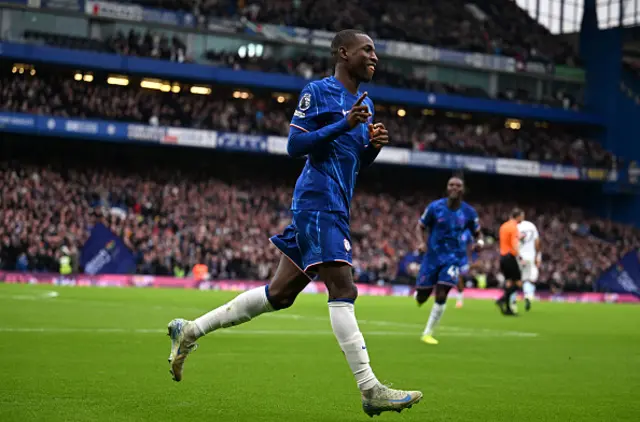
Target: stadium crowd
x=156 y=44
x=200 y=206
x=153 y=44
x=494 y=27
x=63 y=96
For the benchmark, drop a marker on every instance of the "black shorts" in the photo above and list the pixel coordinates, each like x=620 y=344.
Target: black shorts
x=510 y=268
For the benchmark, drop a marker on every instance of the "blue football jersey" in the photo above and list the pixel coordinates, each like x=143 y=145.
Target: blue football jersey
x=446 y=226
x=329 y=175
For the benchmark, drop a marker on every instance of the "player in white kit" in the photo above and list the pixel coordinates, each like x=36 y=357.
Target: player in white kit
x=530 y=258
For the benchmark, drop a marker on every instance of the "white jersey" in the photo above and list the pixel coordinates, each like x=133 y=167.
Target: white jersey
x=528 y=236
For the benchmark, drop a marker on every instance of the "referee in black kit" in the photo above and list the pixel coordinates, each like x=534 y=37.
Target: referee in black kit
x=509 y=250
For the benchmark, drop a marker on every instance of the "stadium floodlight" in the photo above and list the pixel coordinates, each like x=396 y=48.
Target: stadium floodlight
x=200 y=90
x=118 y=80
x=513 y=124
x=151 y=84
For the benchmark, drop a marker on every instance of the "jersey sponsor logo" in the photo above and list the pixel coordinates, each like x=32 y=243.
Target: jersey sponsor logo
x=299 y=114
x=305 y=102
x=347 y=245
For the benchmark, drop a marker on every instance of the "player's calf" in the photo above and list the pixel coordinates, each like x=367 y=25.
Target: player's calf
x=288 y=282
x=342 y=295
x=376 y=398
x=442 y=292
x=529 y=291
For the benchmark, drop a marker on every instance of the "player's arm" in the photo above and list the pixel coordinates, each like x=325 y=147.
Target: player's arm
x=424 y=223
x=422 y=237
x=305 y=132
x=538 y=252
x=469 y=252
x=515 y=241
x=474 y=227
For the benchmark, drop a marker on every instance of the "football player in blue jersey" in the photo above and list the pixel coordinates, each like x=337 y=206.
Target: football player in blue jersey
x=445 y=220
x=465 y=255
x=333 y=127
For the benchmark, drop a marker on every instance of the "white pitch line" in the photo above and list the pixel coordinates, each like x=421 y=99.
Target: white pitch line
x=484 y=331
x=469 y=333
x=45 y=295
x=446 y=330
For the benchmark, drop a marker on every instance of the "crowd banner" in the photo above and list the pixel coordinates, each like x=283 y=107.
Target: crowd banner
x=624 y=276
x=105 y=253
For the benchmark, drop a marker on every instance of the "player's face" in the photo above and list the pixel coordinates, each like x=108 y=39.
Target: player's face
x=362 y=58
x=455 y=188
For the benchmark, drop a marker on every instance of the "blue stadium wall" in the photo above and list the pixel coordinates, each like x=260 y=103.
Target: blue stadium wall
x=611 y=93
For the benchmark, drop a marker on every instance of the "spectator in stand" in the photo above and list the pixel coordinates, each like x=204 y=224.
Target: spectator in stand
x=497 y=27
x=309 y=66
x=219 y=215
x=63 y=96
x=150 y=44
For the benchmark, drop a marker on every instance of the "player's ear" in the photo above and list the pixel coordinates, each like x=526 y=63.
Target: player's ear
x=342 y=53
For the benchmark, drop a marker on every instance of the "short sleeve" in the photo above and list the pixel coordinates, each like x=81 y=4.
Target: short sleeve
x=426 y=219
x=473 y=223
x=310 y=107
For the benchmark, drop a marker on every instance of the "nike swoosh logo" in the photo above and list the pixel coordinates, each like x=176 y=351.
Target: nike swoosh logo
x=344 y=112
x=403 y=400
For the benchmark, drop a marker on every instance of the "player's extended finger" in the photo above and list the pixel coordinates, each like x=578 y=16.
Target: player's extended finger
x=378 y=126
x=361 y=115
x=362 y=108
x=361 y=99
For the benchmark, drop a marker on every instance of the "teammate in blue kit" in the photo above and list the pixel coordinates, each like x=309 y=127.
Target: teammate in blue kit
x=465 y=264
x=445 y=219
x=333 y=126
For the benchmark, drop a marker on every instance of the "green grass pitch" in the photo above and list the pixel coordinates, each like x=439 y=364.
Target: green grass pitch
x=100 y=354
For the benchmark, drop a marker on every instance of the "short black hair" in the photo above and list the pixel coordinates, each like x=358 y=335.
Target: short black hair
x=458 y=174
x=516 y=212
x=343 y=38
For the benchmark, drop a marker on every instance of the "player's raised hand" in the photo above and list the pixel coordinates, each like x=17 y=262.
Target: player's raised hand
x=359 y=113
x=378 y=135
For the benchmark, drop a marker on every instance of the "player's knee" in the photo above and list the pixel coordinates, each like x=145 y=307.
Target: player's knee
x=442 y=292
x=343 y=291
x=339 y=281
x=280 y=298
x=422 y=296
